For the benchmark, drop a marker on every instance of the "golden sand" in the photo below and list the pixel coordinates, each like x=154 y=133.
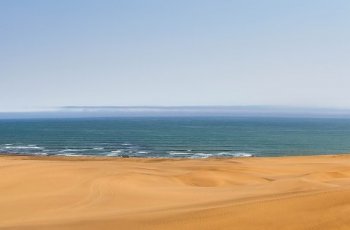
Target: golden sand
x=310 y=192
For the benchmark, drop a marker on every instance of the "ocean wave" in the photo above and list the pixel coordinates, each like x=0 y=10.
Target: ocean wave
x=179 y=153
x=235 y=154
x=98 y=148
x=71 y=155
x=73 y=150
x=39 y=154
x=208 y=155
x=131 y=150
x=201 y=155
x=29 y=147
x=22 y=149
x=142 y=152
x=114 y=153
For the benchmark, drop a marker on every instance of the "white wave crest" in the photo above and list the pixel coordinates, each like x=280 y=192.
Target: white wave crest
x=98 y=148
x=73 y=150
x=70 y=155
x=179 y=153
x=142 y=152
x=202 y=155
x=114 y=153
x=29 y=147
x=235 y=154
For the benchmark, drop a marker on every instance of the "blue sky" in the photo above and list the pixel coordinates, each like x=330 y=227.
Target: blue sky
x=129 y=53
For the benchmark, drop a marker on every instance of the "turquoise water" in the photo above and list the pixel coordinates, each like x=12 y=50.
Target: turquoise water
x=176 y=137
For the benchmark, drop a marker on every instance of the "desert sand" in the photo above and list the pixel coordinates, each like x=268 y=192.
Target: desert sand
x=310 y=192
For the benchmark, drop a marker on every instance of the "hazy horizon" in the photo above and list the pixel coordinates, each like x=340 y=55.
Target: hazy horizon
x=179 y=111
x=181 y=53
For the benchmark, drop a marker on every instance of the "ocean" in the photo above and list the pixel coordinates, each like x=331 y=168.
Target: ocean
x=174 y=137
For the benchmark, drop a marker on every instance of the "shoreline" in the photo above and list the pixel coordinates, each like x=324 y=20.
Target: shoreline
x=106 y=158
x=250 y=193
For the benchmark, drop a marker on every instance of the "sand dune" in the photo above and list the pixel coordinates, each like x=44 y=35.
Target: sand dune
x=102 y=193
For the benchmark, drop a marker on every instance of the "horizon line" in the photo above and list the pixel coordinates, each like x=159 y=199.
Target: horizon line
x=178 y=111
x=179 y=107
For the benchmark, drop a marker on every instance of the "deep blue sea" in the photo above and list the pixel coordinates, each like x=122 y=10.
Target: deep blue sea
x=192 y=137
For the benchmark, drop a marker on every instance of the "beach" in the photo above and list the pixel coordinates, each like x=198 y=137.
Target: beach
x=308 y=192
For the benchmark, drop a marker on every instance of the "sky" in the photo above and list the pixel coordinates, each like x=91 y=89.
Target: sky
x=174 y=53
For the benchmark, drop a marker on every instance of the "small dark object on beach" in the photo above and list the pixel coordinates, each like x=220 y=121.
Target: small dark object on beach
x=124 y=156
